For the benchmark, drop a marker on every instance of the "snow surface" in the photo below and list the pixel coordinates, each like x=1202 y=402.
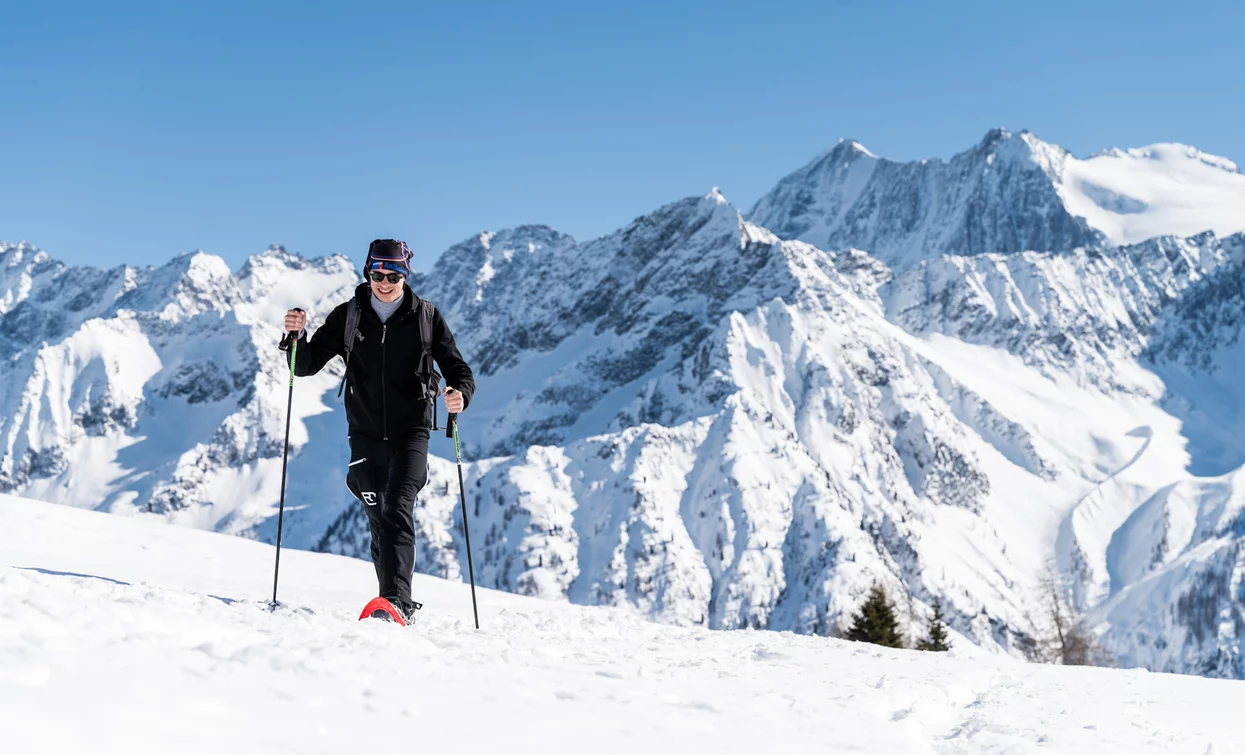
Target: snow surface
x=1160 y=190
x=130 y=636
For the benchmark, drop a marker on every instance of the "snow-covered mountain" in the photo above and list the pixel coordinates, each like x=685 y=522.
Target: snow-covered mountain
x=1010 y=193
x=158 y=389
x=714 y=422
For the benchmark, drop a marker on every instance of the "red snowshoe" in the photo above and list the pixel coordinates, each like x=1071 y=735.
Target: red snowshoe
x=379 y=608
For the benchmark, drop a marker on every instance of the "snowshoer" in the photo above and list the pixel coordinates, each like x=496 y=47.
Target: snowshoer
x=388 y=338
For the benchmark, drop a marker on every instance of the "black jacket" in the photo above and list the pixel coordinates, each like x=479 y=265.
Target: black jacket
x=381 y=386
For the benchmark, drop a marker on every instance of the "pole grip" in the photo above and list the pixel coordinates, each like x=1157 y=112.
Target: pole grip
x=289 y=337
x=449 y=425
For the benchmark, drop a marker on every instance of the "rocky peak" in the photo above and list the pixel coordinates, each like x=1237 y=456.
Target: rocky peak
x=188 y=285
x=500 y=260
x=997 y=197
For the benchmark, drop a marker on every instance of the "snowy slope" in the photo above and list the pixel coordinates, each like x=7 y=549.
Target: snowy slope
x=1009 y=193
x=156 y=639
x=1160 y=190
x=1154 y=330
x=1177 y=573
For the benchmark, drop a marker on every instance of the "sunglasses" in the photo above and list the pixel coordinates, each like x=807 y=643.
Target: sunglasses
x=377 y=277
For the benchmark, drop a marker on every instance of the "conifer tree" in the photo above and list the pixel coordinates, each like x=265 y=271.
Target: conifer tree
x=937 y=639
x=876 y=621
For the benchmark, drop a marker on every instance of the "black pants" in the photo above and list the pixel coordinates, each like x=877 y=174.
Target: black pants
x=386 y=476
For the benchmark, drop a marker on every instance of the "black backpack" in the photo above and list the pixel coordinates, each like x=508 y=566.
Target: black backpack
x=429 y=380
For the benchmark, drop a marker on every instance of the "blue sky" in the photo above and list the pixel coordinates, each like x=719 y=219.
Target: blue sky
x=135 y=131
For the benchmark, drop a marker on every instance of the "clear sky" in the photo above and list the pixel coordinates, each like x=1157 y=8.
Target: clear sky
x=135 y=131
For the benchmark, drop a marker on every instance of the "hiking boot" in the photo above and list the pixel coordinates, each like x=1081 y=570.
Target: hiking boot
x=406 y=607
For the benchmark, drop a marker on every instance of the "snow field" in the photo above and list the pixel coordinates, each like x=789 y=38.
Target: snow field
x=124 y=635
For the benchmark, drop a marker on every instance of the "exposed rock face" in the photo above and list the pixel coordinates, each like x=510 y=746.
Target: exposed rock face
x=1000 y=196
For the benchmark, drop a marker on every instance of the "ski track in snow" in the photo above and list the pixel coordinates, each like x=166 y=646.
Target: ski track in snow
x=124 y=635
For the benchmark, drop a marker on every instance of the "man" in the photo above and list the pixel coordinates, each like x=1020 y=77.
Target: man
x=389 y=401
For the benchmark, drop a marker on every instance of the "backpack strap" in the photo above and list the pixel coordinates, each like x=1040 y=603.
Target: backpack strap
x=429 y=378
x=352 y=332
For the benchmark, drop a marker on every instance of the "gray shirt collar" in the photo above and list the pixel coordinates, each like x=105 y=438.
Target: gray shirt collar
x=385 y=310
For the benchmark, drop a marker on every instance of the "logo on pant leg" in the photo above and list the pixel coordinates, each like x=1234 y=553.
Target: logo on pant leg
x=369 y=498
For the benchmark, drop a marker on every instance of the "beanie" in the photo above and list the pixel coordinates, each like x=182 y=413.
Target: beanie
x=391 y=255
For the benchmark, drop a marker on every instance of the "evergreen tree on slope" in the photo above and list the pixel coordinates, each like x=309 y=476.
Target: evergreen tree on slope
x=876 y=621
x=937 y=639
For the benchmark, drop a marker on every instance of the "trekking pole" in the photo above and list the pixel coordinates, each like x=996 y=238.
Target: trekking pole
x=451 y=431
x=285 y=456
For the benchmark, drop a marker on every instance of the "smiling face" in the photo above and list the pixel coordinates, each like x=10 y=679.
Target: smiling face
x=384 y=289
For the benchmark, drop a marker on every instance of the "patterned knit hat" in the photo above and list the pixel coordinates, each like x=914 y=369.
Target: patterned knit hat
x=391 y=255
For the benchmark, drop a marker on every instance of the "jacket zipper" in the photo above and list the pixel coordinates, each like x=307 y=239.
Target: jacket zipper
x=384 y=404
